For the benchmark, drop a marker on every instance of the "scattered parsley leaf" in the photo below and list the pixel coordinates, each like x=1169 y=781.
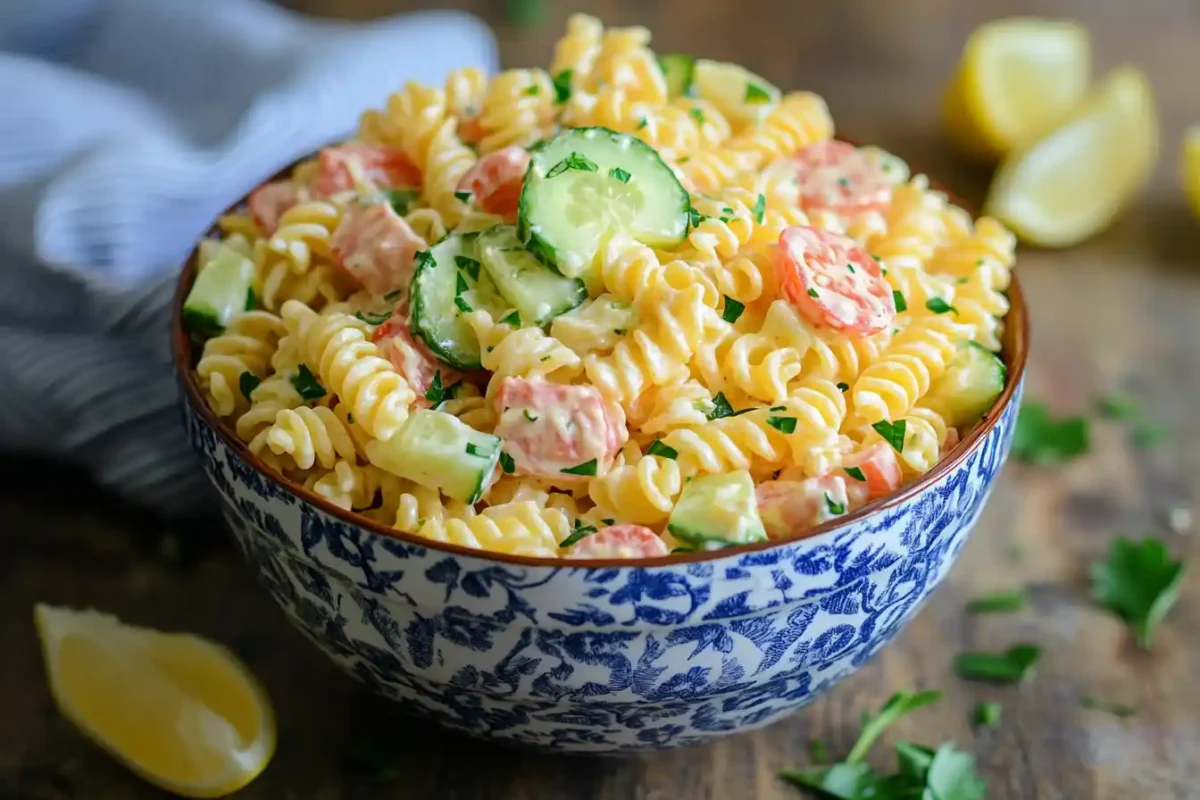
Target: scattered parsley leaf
x=812 y=292
x=620 y=174
x=1139 y=583
x=695 y=217
x=393 y=296
x=683 y=550
x=247 y=383
x=463 y=197
x=721 y=408
x=1115 y=406
x=575 y=161
x=251 y=300
x=401 y=200
x=1011 y=666
x=468 y=265
x=782 y=424
x=475 y=450
x=986 y=715
x=760 y=209
x=642 y=122
x=998 y=602
x=586 y=468
x=733 y=310
x=507 y=464
x=1042 y=439
x=756 y=95
x=529 y=417
x=842 y=386
x=460 y=286
x=577 y=534
x=818 y=753
x=901 y=303
x=373 y=319
x=697 y=113
x=562 y=86
x=435 y=394
x=657 y=448
x=1116 y=709
x=939 y=306
x=833 y=506
x=1148 y=434
x=512 y=318
x=892 y=433
x=462 y=305
x=856 y=473
x=531 y=90
x=306 y=384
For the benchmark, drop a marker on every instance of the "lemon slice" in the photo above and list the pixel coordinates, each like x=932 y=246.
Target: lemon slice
x=1018 y=78
x=1190 y=169
x=1074 y=182
x=180 y=711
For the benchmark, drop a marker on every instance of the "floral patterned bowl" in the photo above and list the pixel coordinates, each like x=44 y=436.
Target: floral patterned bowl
x=604 y=656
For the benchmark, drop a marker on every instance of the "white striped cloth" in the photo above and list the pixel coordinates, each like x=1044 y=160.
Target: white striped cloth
x=126 y=126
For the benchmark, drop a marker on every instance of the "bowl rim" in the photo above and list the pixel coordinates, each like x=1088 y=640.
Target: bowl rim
x=1016 y=339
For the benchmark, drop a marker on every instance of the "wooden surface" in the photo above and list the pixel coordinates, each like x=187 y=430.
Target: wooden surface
x=1122 y=312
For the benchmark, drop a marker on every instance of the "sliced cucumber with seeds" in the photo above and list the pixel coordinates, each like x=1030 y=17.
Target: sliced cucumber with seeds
x=717 y=511
x=537 y=292
x=587 y=184
x=969 y=386
x=440 y=452
x=677 y=69
x=223 y=287
x=738 y=93
x=449 y=283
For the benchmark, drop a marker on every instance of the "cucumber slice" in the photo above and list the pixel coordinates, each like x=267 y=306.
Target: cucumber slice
x=969 y=386
x=717 y=511
x=439 y=452
x=737 y=92
x=449 y=283
x=587 y=184
x=537 y=292
x=677 y=69
x=223 y=287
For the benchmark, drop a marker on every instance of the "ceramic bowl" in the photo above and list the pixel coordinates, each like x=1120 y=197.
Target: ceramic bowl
x=604 y=656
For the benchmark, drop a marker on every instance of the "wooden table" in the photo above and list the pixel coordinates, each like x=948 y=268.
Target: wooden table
x=1122 y=312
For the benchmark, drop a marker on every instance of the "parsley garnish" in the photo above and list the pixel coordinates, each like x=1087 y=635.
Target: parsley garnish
x=856 y=473
x=1011 y=666
x=401 y=200
x=247 y=383
x=1139 y=583
x=306 y=384
x=657 y=448
x=562 y=86
x=812 y=292
x=512 y=318
x=695 y=217
x=834 y=506
x=507 y=464
x=697 y=114
x=531 y=90
x=373 y=319
x=901 y=303
x=469 y=265
x=986 y=715
x=392 y=296
x=1115 y=406
x=586 y=468
x=782 y=424
x=850 y=267
x=892 y=433
x=460 y=286
x=620 y=331
x=435 y=394
x=1042 y=439
x=843 y=386
x=576 y=161
x=529 y=417
x=721 y=408
x=1116 y=709
x=251 y=300
x=760 y=209
x=476 y=450
x=608 y=521
x=463 y=197
x=998 y=602
x=683 y=550
x=756 y=95
x=643 y=122
x=577 y=534
x=733 y=310
x=939 y=306
x=620 y=174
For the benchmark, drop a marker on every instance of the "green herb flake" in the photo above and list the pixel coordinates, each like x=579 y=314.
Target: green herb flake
x=529 y=417
x=856 y=473
x=999 y=602
x=247 y=383
x=1011 y=666
x=306 y=384
x=657 y=448
x=402 y=200
x=834 y=507
x=733 y=310
x=435 y=394
x=756 y=95
x=619 y=174
x=901 y=303
x=462 y=305
x=642 y=123
x=393 y=296
x=460 y=286
x=620 y=331
x=812 y=292
x=939 y=306
x=681 y=549
x=462 y=197
x=1138 y=582
x=818 y=753
x=986 y=715
x=1116 y=709
x=1040 y=438
x=512 y=318
x=782 y=424
x=580 y=532
x=562 y=86
x=575 y=161
x=850 y=267
x=507 y=464
x=721 y=408
x=843 y=386
x=373 y=319
x=697 y=113
x=695 y=217
x=251 y=300
x=1148 y=435
x=586 y=468
x=468 y=265
x=1116 y=406
x=609 y=521
x=892 y=433
x=476 y=450
x=531 y=90
x=760 y=209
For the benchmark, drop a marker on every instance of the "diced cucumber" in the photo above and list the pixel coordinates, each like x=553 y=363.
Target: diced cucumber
x=223 y=287
x=717 y=511
x=969 y=386
x=439 y=451
x=449 y=283
x=538 y=293
x=677 y=69
x=587 y=184
x=738 y=93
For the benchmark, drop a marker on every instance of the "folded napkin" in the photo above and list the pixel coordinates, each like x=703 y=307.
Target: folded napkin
x=126 y=127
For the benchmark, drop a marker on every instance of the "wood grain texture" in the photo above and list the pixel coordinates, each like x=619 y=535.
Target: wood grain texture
x=1121 y=312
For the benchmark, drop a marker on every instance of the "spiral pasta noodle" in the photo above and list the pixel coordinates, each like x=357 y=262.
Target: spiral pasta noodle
x=245 y=347
x=892 y=385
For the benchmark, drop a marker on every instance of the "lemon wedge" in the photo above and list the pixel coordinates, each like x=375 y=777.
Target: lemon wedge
x=1190 y=168
x=182 y=712
x=1074 y=182
x=1017 y=79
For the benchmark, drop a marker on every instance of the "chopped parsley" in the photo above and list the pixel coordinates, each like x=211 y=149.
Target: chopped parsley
x=892 y=433
x=586 y=468
x=843 y=386
x=251 y=300
x=401 y=200
x=1139 y=583
x=657 y=448
x=782 y=424
x=463 y=197
x=575 y=161
x=531 y=90
x=507 y=464
x=986 y=715
x=643 y=122
x=306 y=384
x=856 y=473
x=435 y=394
x=512 y=318
x=760 y=209
x=901 y=303
x=777 y=408
x=562 y=86
x=620 y=331
x=939 y=306
x=393 y=296
x=529 y=417
x=620 y=174
x=850 y=267
x=721 y=408
x=733 y=310
x=247 y=383
x=812 y=292
x=468 y=265
x=476 y=450
x=1115 y=406
x=834 y=506
x=577 y=534
x=1040 y=438
x=695 y=217
x=460 y=286
x=373 y=319
x=608 y=521
x=1011 y=666
x=999 y=602
x=696 y=113
x=756 y=95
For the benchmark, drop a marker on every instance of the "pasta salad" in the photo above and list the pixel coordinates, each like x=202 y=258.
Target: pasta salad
x=632 y=305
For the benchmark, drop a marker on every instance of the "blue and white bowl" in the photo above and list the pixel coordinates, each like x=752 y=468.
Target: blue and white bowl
x=604 y=656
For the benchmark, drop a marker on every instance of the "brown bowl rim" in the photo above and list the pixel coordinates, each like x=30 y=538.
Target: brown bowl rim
x=1016 y=332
